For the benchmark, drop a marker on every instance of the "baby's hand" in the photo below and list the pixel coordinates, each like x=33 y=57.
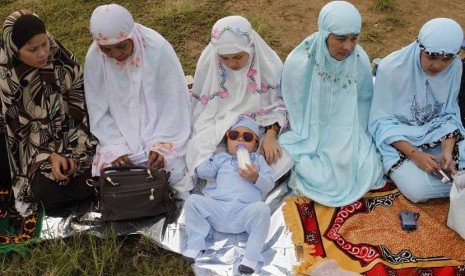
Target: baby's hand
x=250 y=173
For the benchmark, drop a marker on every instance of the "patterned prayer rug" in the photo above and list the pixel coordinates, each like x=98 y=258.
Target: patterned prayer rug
x=366 y=237
x=16 y=232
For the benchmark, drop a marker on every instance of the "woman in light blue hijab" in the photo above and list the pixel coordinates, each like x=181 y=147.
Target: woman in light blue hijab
x=327 y=86
x=415 y=117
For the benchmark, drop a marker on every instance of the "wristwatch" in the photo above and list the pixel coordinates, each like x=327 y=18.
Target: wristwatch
x=274 y=127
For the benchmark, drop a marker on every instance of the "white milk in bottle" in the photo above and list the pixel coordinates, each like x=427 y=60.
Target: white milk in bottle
x=243 y=156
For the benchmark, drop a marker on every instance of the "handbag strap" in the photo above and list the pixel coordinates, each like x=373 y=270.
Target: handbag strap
x=126 y=168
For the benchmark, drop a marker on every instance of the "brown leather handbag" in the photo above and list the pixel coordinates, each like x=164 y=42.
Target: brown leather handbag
x=132 y=192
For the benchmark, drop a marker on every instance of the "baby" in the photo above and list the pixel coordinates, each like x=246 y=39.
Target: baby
x=233 y=199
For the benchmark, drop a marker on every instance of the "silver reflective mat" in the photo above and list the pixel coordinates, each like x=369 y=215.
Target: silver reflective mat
x=224 y=252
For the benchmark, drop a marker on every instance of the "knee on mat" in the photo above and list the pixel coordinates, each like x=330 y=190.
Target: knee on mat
x=191 y=199
x=261 y=209
x=415 y=196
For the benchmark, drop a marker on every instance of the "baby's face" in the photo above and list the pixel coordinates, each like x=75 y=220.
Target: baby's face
x=251 y=145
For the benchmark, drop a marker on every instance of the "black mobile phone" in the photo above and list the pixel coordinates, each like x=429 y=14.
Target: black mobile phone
x=408 y=220
x=445 y=176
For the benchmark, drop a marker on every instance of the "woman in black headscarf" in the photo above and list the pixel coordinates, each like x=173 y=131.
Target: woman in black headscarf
x=42 y=101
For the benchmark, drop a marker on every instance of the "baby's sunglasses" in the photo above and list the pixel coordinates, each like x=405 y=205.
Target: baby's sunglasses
x=246 y=135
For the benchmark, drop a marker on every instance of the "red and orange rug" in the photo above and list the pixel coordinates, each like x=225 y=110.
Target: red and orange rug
x=366 y=237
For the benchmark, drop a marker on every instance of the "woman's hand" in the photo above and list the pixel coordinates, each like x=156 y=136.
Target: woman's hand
x=62 y=167
x=250 y=173
x=123 y=160
x=446 y=160
x=156 y=160
x=270 y=148
x=425 y=161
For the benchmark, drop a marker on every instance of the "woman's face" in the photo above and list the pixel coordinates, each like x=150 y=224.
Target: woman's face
x=235 y=61
x=340 y=46
x=35 y=52
x=119 y=51
x=433 y=65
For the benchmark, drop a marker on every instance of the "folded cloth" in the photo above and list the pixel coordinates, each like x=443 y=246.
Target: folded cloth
x=456 y=217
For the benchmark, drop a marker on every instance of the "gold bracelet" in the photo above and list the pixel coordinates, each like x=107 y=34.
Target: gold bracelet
x=411 y=153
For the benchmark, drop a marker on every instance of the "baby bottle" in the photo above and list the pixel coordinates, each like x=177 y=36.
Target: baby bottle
x=243 y=156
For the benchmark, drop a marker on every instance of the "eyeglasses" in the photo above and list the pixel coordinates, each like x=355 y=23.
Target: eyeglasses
x=246 y=135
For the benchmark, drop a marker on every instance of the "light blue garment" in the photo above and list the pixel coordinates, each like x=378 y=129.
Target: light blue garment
x=227 y=185
x=203 y=213
x=336 y=161
x=418 y=185
x=409 y=105
x=231 y=204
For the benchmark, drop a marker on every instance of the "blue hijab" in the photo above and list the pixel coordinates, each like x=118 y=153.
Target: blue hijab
x=336 y=162
x=409 y=105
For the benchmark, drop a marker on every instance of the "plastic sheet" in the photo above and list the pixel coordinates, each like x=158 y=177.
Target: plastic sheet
x=224 y=252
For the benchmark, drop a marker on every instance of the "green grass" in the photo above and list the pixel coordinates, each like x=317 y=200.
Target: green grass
x=186 y=24
x=385 y=5
x=90 y=255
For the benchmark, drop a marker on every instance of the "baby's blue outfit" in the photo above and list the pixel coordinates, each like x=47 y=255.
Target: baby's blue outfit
x=231 y=203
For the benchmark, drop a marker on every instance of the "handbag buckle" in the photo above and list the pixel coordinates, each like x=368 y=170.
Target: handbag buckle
x=150 y=174
x=151 y=197
x=111 y=181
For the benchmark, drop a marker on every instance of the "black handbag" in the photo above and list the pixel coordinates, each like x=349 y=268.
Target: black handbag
x=132 y=192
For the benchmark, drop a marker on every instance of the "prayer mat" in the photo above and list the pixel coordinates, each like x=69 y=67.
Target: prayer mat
x=16 y=232
x=366 y=237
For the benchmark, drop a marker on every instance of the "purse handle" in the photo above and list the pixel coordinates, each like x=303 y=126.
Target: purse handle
x=126 y=168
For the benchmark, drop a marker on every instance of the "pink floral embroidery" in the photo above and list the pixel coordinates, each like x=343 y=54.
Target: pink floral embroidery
x=223 y=94
x=204 y=99
x=264 y=87
x=96 y=159
x=122 y=36
x=121 y=64
x=261 y=112
x=251 y=72
x=136 y=62
x=101 y=38
x=163 y=147
x=216 y=33
x=251 y=87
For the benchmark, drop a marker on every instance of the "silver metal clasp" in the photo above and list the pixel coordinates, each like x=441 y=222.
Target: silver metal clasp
x=111 y=181
x=151 y=197
x=150 y=174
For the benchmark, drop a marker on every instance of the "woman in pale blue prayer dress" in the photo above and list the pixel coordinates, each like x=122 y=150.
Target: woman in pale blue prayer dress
x=327 y=86
x=415 y=117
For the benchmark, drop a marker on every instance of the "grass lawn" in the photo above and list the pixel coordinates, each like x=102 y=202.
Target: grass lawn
x=68 y=20
x=186 y=24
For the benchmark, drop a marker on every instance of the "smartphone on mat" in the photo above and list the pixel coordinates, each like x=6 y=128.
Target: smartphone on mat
x=408 y=220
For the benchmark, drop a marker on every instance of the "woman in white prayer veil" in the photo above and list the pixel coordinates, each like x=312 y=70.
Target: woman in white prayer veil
x=136 y=95
x=238 y=74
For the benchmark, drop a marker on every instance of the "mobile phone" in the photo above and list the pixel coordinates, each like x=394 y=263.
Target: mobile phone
x=408 y=220
x=445 y=177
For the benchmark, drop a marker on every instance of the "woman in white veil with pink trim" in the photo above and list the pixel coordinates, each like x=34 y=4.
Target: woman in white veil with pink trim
x=238 y=74
x=136 y=95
